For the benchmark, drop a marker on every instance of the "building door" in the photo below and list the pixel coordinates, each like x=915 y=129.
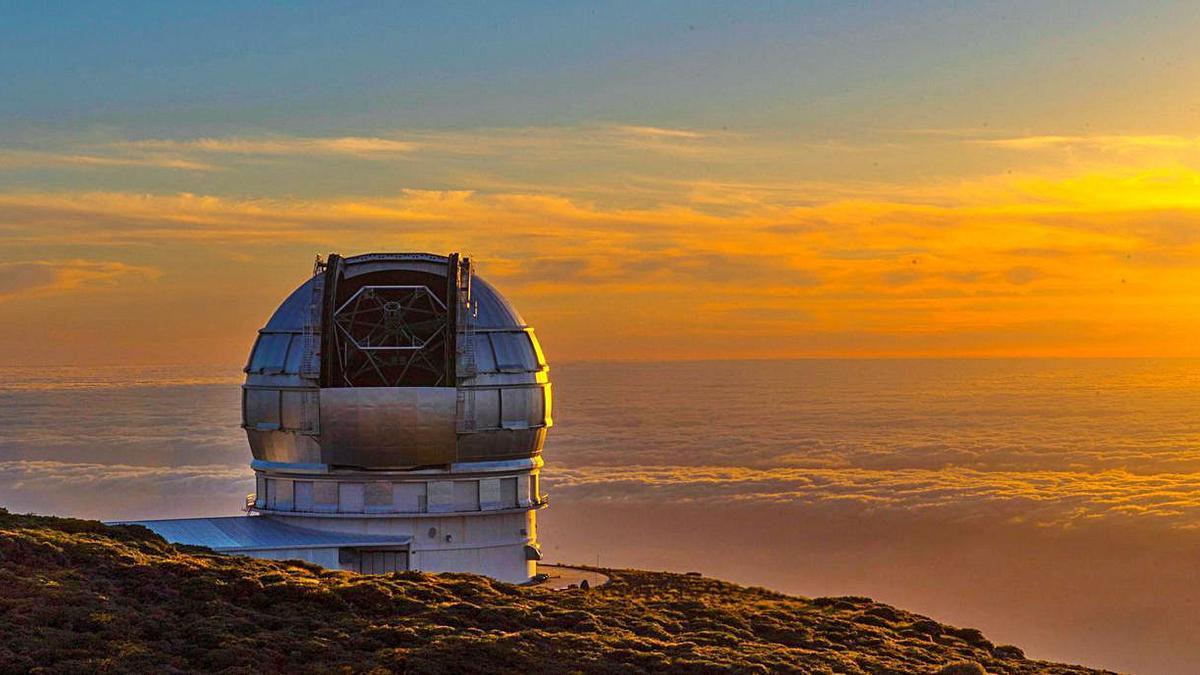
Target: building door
x=382 y=562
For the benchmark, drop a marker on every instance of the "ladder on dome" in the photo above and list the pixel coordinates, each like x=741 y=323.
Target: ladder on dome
x=310 y=367
x=466 y=365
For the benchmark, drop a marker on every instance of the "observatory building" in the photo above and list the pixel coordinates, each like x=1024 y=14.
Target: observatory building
x=396 y=406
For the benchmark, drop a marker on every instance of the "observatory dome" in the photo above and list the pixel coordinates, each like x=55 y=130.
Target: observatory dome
x=395 y=360
x=396 y=407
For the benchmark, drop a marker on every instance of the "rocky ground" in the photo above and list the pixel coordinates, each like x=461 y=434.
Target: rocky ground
x=79 y=596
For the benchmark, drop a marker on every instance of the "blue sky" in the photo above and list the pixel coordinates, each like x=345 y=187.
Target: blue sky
x=206 y=68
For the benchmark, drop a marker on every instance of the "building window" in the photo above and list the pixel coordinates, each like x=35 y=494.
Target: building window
x=377 y=496
x=441 y=496
x=325 y=496
x=371 y=561
x=466 y=495
x=350 y=497
x=489 y=494
x=260 y=497
x=508 y=493
x=303 y=490
x=279 y=494
x=409 y=497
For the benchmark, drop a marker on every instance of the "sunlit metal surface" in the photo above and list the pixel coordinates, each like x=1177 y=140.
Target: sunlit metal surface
x=383 y=427
x=500 y=374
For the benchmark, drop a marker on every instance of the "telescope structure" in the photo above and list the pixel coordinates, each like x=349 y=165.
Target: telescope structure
x=396 y=406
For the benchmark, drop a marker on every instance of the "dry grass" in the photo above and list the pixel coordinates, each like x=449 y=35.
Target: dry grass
x=77 y=596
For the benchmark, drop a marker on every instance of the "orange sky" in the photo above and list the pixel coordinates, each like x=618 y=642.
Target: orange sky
x=1088 y=249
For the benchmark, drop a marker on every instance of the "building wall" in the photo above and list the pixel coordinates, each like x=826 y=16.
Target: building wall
x=441 y=493
x=325 y=557
x=491 y=544
x=506 y=563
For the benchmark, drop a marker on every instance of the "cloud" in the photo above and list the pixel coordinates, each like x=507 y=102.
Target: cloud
x=1102 y=142
x=660 y=132
x=47 y=277
x=950 y=132
x=49 y=474
x=1023 y=274
x=28 y=159
x=1044 y=498
x=123 y=491
x=357 y=146
x=198 y=154
x=1036 y=257
x=517 y=144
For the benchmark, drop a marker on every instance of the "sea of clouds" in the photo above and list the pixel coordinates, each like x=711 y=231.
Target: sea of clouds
x=1051 y=503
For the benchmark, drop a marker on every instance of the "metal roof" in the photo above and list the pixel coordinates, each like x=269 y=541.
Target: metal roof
x=231 y=534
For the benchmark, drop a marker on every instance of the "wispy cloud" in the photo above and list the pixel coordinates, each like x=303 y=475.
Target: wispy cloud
x=98 y=158
x=1045 y=498
x=1102 y=142
x=949 y=132
x=48 y=277
x=357 y=146
x=898 y=267
x=213 y=152
x=88 y=489
x=34 y=474
x=660 y=132
x=943 y=259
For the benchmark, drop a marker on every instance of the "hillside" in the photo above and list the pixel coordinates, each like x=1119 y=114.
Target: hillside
x=79 y=596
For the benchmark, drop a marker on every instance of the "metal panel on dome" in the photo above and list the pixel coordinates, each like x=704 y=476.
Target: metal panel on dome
x=494 y=311
x=501 y=444
x=293 y=313
x=514 y=352
x=487 y=408
x=261 y=409
x=270 y=353
x=295 y=355
x=485 y=358
x=283 y=446
x=514 y=407
x=300 y=410
x=388 y=426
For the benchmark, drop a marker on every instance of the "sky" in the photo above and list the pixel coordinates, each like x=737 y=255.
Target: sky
x=644 y=180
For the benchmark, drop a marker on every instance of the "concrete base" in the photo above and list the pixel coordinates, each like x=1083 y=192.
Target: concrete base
x=498 y=545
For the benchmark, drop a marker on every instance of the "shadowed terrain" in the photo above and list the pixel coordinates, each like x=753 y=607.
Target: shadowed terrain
x=76 y=595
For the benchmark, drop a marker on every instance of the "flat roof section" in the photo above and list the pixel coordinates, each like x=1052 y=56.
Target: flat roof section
x=231 y=534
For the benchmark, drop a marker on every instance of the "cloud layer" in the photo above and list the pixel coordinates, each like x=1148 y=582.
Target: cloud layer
x=747 y=244
x=28 y=278
x=1044 y=498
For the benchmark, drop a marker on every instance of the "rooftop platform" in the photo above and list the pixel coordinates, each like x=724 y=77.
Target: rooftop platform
x=562 y=577
x=233 y=534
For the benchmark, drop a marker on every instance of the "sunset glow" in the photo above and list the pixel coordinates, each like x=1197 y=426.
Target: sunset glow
x=938 y=223
x=891 y=299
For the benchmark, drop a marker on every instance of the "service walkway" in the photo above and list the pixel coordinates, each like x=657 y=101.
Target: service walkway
x=561 y=577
